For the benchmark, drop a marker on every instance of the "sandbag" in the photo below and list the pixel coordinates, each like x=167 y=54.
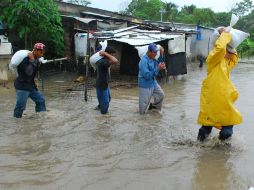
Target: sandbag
x=233 y=20
x=142 y=50
x=96 y=57
x=237 y=36
x=17 y=58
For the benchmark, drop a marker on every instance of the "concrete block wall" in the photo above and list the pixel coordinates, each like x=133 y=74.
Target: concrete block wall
x=5 y=74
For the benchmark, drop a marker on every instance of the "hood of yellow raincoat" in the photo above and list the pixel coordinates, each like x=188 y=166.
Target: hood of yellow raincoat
x=218 y=93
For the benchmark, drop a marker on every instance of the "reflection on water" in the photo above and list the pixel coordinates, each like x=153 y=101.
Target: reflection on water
x=213 y=170
x=73 y=146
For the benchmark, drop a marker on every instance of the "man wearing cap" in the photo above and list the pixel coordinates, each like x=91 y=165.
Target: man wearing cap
x=149 y=68
x=102 y=81
x=25 y=85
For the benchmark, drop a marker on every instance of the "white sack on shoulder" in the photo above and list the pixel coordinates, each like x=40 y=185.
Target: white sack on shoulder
x=96 y=57
x=17 y=58
x=142 y=50
x=238 y=36
x=234 y=20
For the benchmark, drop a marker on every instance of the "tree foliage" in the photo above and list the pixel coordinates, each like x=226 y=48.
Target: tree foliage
x=170 y=11
x=39 y=20
x=222 y=19
x=144 y=9
x=242 y=8
x=246 y=48
x=188 y=9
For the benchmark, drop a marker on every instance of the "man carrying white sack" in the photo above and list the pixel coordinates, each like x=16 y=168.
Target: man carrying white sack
x=218 y=94
x=25 y=85
x=149 y=68
x=102 y=81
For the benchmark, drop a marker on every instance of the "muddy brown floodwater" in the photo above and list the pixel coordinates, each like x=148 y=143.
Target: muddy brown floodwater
x=72 y=146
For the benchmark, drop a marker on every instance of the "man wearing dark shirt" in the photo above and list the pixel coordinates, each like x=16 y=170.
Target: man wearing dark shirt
x=24 y=83
x=102 y=82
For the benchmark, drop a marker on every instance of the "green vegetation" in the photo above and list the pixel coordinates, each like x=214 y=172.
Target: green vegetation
x=150 y=9
x=35 y=21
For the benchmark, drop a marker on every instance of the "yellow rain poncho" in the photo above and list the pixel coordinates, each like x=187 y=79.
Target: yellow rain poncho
x=218 y=93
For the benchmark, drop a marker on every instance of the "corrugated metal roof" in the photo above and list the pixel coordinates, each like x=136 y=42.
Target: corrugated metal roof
x=127 y=33
x=95 y=14
x=121 y=31
x=147 y=31
x=135 y=42
x=85 y=20
x=124 y=29
x=144 y=40
x=134 y=36
x=133 y=31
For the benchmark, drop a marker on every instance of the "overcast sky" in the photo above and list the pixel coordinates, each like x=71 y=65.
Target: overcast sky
x=215 y=5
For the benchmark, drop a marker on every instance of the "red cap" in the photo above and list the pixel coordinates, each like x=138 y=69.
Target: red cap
x=40 y=46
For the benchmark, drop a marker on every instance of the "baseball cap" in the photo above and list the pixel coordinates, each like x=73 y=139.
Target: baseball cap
x=39 y=46
x=153 y=48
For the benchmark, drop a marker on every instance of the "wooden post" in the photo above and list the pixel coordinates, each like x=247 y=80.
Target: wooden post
x=86 y=59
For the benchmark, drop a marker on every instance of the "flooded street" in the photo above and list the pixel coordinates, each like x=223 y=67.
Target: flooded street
x=72 y=146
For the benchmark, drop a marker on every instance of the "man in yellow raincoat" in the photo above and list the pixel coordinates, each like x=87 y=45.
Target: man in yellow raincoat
x=218 y=93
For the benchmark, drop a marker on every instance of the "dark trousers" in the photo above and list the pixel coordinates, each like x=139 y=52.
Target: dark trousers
x=22 y=96
x=103 y=96
x=225 y=133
